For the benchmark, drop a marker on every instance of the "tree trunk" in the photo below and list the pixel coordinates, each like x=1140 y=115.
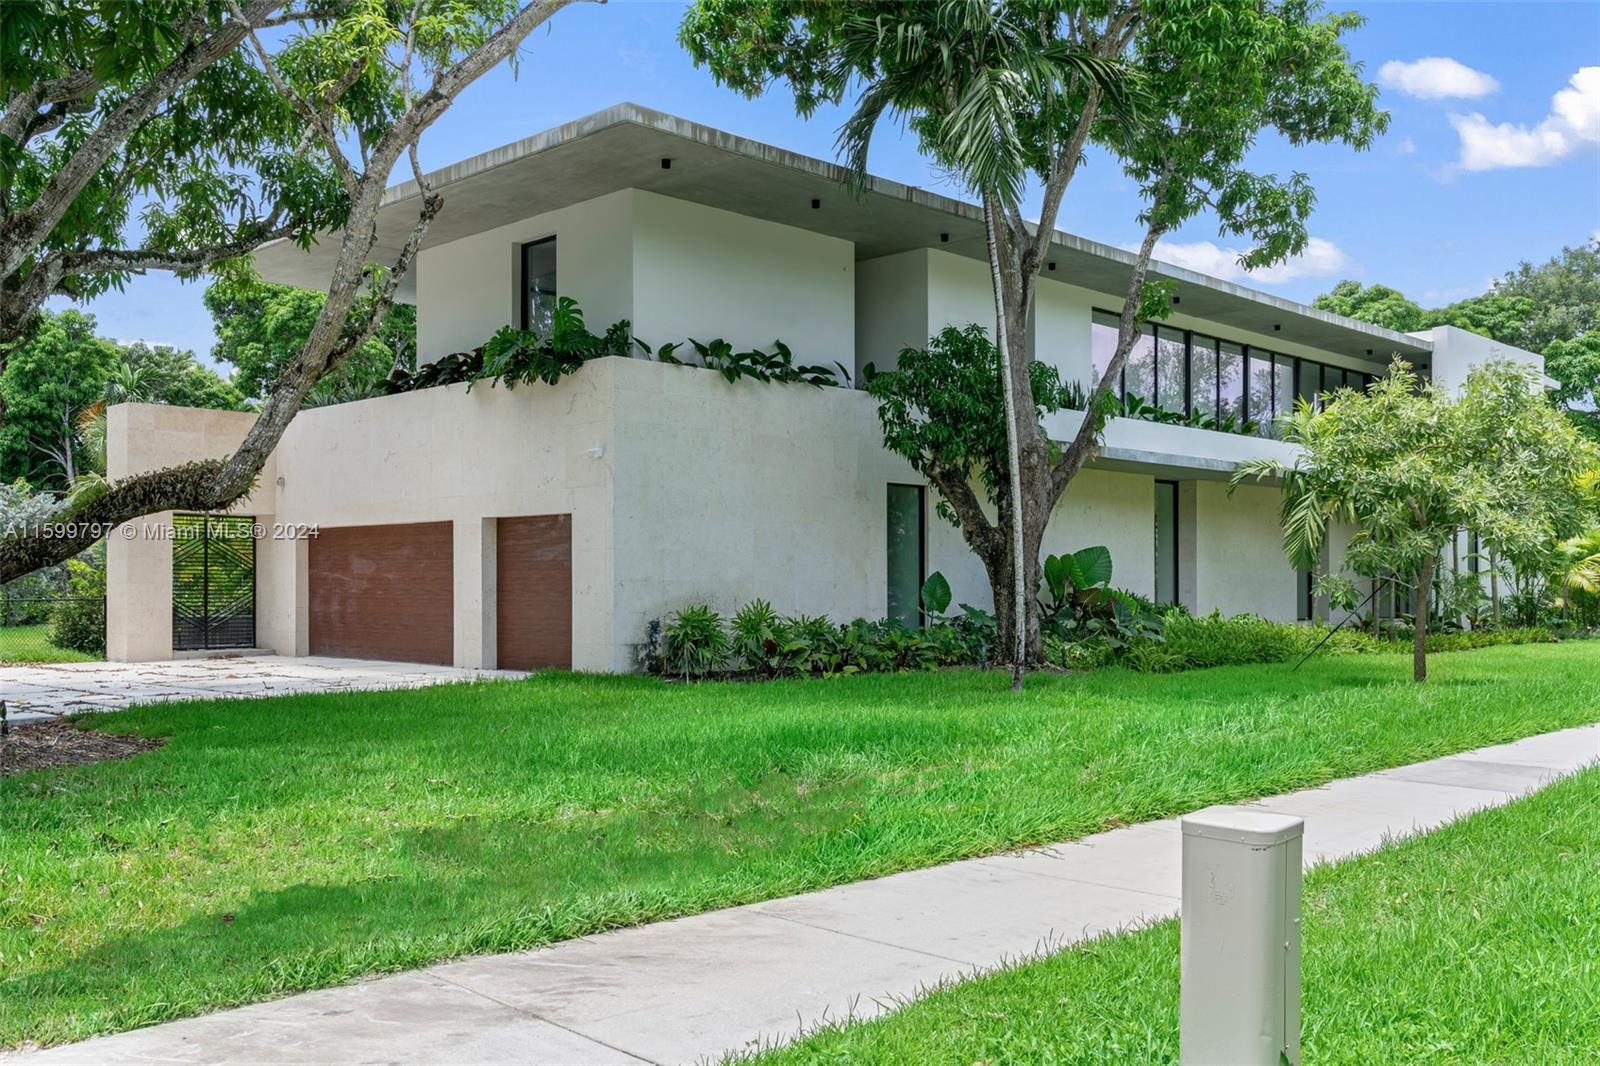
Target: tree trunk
x=1016 y=646
x=1419 y=630
x=1494 y=585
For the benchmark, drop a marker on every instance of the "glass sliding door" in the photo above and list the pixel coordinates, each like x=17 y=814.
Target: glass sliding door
x=1166 y=588
x=907 y=516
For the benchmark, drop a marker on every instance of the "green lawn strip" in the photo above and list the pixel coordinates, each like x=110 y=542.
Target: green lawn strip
x=31 y=644
x=1479 y=942
x=278 y=845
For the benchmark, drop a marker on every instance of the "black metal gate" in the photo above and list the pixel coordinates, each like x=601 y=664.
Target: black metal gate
x=213 y=582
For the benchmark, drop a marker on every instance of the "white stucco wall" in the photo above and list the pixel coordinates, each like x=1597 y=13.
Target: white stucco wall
x=467 y=289
x=1457 y=352
x=141 y=437
x=1240 y=566
x=891 y=307
x=703 y=272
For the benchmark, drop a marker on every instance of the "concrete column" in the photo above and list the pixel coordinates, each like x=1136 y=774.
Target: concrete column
x=475 y=602
x=139 y=591
x=282 y=592
x=1239 y=1000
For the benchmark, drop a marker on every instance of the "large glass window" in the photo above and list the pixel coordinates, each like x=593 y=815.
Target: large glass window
x=1308 y=380
x=907 y=553
x=1102 y=344
x=1230 y=376
x=539 y=286
x=1139 y=374
x=1172 y=357
x=1166 y=542
x=1203 y=377
x=1259 y=392
x=1282 y=388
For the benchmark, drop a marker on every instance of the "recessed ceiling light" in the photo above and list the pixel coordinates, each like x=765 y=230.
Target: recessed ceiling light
x=666 y=164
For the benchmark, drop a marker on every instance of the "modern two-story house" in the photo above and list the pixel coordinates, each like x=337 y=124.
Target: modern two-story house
x=547 y=526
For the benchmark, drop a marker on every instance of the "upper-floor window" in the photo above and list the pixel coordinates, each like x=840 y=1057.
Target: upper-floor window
x=539 y=286
x=1211 y=380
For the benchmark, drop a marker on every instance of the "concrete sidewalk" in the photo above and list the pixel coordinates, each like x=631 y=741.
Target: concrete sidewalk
x=698 y=987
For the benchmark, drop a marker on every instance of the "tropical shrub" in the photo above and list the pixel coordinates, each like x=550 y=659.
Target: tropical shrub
x=1213 y=640
x=78 y=621
x=694 y=643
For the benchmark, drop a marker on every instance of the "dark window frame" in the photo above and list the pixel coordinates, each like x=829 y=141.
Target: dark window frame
x=922 y=543
x=522 y=276
x=1177 y=536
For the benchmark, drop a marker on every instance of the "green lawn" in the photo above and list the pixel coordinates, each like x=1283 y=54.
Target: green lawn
x=31 y=644
x=285 y=844
x=1476 y=943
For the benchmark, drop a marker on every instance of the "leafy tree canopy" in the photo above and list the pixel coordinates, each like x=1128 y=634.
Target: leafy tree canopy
x=47 y=383
x=1409 y=466
x=1377 y=304
x=940 y=409
x=261 y=327
x=1552 y=308
x=164 y=374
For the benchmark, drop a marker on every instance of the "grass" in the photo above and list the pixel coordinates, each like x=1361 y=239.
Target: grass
x=31 y=644
x=1479 y=942
x=278 y=845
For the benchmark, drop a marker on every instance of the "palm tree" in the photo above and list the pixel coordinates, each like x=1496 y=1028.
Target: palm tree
x=965 y=75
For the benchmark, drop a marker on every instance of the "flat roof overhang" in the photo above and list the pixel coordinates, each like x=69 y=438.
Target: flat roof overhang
x=622 y=148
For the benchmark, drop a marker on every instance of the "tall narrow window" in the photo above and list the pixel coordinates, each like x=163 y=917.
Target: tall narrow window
x=1259 y=393
x=1308 y=380
x=1103 y=330
x=1166 y=542
x=1172 y=378
x=1139 y=372
x=907 y=515
x=1230 y=382
x=1203 y=378
x=1282 y=389
x=1307 y=607
x=539 y=286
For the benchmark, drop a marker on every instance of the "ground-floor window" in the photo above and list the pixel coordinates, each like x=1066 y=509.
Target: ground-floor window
x=907 y=513
x=1308 y=597
x=1166 y=542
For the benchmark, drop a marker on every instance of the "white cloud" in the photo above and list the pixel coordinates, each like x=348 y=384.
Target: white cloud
x=1406 y=146
x=1436 y=78
x=1321 y=258
x=1573 y=122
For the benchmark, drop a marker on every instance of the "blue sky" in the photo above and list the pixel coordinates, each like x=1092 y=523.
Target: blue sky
x=1483 y=166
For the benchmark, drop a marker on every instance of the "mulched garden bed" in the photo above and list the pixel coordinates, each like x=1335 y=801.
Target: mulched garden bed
x=44 y=745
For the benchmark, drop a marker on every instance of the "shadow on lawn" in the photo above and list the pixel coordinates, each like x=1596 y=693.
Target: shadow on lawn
x=468 y=886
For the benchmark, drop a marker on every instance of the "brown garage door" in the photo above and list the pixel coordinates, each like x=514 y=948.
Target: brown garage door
x=383 y=592
x=533 y=592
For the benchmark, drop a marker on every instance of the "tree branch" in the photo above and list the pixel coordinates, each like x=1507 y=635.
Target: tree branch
x=22 y=232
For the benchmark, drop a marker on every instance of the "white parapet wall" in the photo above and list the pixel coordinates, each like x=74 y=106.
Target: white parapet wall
x=682 y=487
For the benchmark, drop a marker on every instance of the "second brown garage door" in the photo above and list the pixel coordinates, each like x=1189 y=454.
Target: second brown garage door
x=383 y=592
x=533 y=592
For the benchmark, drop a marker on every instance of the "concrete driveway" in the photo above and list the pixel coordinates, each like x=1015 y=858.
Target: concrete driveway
x=38 y=693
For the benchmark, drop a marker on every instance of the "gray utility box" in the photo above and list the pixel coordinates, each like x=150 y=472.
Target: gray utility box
x=1240 y=1002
